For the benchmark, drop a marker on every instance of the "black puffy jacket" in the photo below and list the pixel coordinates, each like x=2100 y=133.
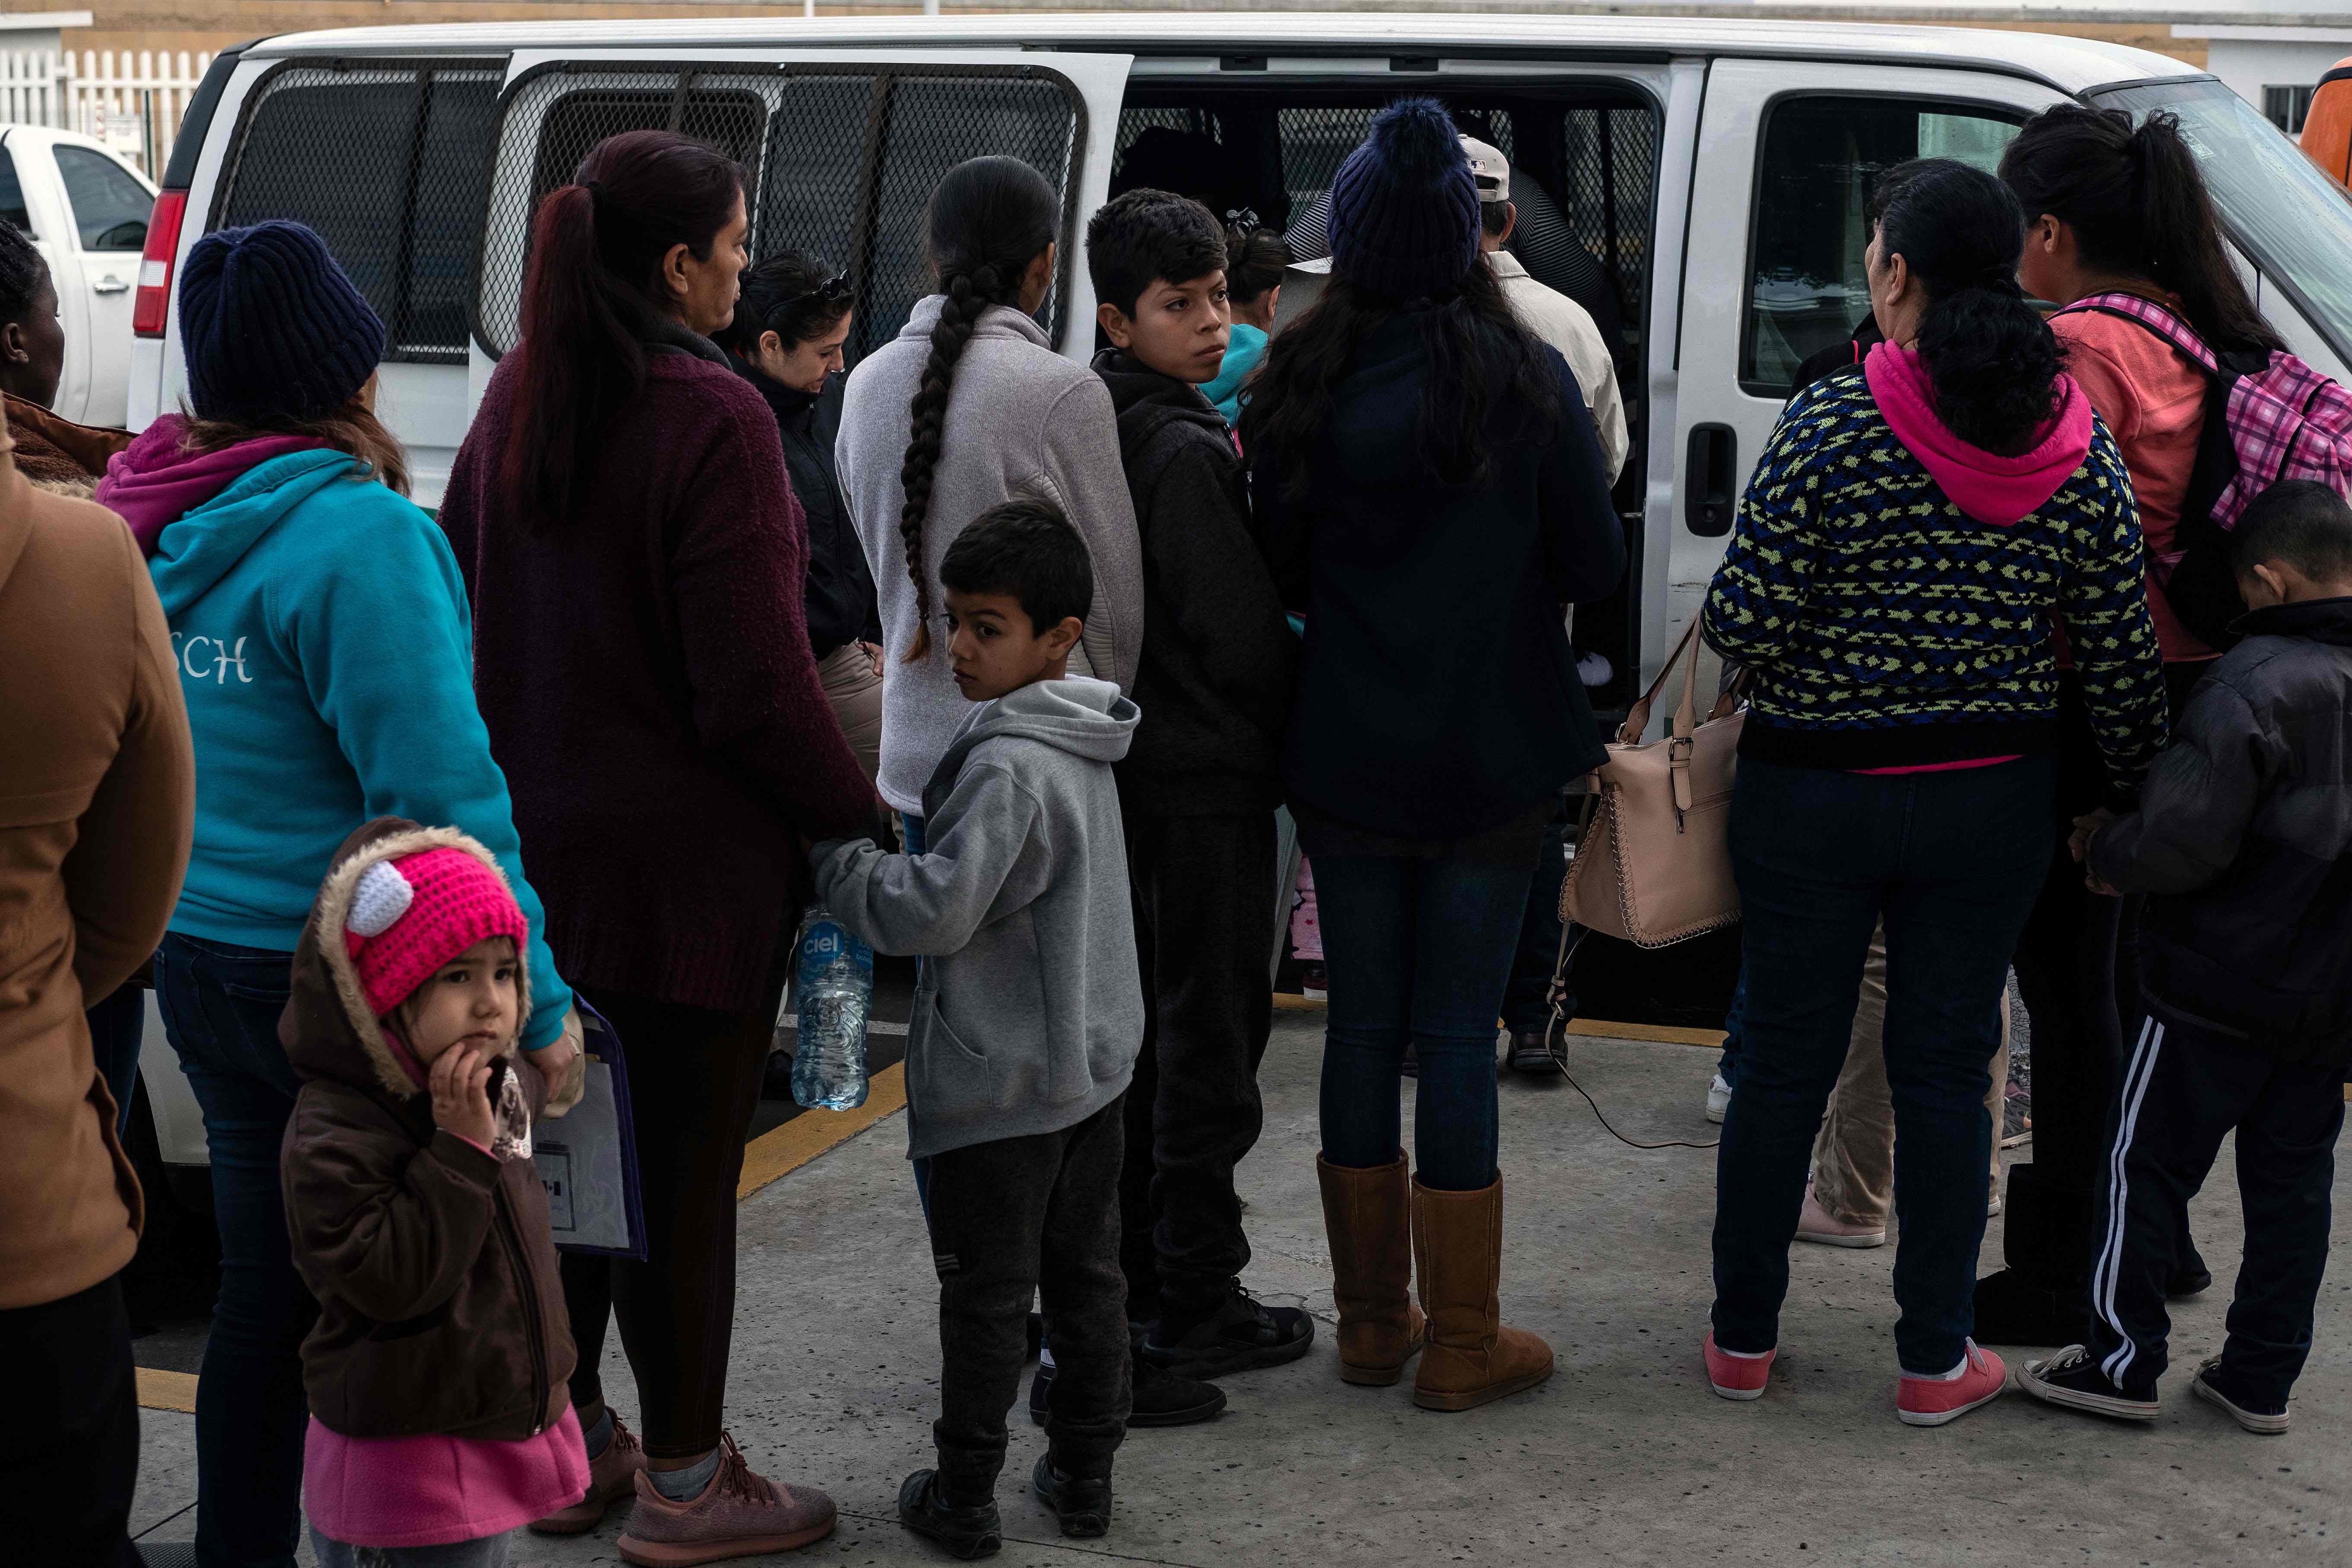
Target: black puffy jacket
x=2244 y=836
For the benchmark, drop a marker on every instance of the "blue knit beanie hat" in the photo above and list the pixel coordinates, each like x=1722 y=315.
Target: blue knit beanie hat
x=1404 y=207
x=270 y=325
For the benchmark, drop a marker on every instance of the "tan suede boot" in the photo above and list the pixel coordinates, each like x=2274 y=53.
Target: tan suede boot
x=1457 y=1243
x=1366 y=1215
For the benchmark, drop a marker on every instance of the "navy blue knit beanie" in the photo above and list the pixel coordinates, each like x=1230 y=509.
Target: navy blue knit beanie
x=271 y=326
x=1404 y=207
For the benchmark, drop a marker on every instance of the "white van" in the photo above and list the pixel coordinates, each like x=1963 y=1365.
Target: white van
x=1709 y=172
x=86 y=211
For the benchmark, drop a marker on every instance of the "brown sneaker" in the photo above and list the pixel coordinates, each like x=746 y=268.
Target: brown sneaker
x=612 y=1476
x=740 y=1514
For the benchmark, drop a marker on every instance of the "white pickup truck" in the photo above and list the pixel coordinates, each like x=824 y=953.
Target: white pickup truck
x=86 y=211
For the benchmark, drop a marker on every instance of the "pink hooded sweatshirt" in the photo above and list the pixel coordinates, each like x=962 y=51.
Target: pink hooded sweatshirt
x=1991 y=489
x=153 y=483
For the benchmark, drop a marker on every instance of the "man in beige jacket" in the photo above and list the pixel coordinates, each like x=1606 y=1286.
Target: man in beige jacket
x=97 y=803
x=1547 y=312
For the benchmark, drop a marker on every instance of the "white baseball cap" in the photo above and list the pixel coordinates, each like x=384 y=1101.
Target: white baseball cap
x=1489 y=169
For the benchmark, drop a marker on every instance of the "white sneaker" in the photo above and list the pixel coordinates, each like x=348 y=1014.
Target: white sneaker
x=1594 y=669
x=1718 y=1098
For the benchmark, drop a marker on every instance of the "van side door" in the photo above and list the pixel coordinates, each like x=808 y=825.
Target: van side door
x=108 y=206
x=1773 y=270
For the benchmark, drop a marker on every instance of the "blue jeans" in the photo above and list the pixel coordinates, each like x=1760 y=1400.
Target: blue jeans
x=1418 y=951
x=220 y=1004
x=489 y=1551
x=117 y=1024
x=1735 y=1024
x=1526 y=1005
x=1952 y=863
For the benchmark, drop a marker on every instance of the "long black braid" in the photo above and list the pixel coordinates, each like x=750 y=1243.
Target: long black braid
x=988 y=221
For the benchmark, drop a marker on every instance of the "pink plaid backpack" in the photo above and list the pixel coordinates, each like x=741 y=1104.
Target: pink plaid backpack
x=2268 y=416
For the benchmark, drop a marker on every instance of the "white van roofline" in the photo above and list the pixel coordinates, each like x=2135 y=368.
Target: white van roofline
x=2069 y=65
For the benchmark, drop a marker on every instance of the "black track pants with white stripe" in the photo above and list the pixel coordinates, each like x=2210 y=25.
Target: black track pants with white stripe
x=2182 y=1092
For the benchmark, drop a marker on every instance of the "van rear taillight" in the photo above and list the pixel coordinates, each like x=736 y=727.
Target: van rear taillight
x=152 y=307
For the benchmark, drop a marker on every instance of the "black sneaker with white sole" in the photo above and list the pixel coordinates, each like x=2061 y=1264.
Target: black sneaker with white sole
x=2263 y=1414
x=1236 y=1334
x=2071 y=1378
x=1081 y=1504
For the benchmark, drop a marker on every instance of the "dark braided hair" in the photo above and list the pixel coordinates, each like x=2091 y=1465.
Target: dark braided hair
x=987 y=222
x=20 y=272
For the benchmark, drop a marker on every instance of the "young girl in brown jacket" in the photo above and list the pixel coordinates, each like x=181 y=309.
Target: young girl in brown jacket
x=440 y=1417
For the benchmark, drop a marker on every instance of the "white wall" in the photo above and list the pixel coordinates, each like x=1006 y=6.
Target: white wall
x=2250 y=59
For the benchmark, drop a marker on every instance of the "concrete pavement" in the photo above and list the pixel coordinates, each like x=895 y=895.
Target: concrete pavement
x=1624 y=1457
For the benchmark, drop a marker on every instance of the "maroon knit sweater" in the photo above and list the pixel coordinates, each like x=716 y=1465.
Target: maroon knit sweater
x=648 y=683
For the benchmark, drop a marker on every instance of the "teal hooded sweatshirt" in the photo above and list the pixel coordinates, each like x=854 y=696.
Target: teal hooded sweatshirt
x=326 y=651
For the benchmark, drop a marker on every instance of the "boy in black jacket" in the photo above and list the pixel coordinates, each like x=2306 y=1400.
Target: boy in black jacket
x=1197 y=790
x=2243 y=841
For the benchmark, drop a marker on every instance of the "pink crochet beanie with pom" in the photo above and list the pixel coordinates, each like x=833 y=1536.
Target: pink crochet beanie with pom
x=412 y=915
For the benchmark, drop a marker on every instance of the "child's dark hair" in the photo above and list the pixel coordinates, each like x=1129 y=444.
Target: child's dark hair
x=1990 y=357
x=2301 y=522
x=1150 y=234
x=1255 y=259
x=988 y=220
x=2139 y=209
x=1028 y=549
x=795 y=294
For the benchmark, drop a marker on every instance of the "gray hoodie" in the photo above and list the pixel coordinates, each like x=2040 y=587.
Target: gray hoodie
x=1029 y=1014
x=1021 y=422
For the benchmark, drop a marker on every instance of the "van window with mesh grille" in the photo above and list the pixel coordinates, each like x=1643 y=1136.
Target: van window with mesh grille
x=837 y=161
x=387 y=163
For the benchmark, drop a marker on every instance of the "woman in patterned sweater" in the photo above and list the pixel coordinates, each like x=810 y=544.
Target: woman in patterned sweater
x=1904 y=541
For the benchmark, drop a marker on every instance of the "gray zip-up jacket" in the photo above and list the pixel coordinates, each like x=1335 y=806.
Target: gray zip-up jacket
x=1030 y=1011
x=1021 y=422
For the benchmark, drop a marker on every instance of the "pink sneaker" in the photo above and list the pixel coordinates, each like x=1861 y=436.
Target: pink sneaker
x=612 y=1476
x=740 y=1513
x=1733 y=1375
x=1932 y=1400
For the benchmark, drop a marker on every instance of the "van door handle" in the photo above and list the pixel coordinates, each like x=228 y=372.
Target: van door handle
x=1708 y=465
x=110 y=284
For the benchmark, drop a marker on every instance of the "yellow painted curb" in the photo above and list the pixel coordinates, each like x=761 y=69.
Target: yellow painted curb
x=167 y=1389
x=1661 y=1034
x=812 y=1132
x=1291 y=1002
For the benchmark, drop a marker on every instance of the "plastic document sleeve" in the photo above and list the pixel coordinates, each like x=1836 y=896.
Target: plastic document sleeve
x=588 y=1159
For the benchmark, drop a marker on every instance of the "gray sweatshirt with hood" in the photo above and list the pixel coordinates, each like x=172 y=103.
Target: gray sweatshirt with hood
x=1029 y=1015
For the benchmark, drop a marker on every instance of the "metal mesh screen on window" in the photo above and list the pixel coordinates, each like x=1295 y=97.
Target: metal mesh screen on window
x=386 y=161
x=842 y=162
x=1610 y=166
x=936 y=122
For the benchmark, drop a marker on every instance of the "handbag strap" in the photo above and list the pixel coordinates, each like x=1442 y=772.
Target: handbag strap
x=1637 y=716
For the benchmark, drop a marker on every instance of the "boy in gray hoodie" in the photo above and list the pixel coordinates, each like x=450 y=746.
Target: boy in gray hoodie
x=1027 y=1019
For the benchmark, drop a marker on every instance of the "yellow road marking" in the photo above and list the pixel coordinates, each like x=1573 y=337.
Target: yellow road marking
x=167 y=1389
x=1663 y=1034
x=786 y=1148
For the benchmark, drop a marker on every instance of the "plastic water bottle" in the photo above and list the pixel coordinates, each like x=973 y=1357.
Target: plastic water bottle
x=833 y=976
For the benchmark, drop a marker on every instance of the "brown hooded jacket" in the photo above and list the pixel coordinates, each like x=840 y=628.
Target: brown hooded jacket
x=440 y=1308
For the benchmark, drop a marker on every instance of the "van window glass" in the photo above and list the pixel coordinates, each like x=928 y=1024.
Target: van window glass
x=839 y=161
x=1806 y=286
x=2290 y=218
x=387 y=163
x=12 y=193
x=111 y=207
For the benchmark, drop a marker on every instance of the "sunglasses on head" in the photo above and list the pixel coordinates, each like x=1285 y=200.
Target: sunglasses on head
x=832 y=290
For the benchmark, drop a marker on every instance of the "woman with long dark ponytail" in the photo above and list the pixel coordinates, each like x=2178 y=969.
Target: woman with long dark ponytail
x=1908 y=532
x=1422 y=465
x=630 y=540
x=2111 y=209
x=966 y=408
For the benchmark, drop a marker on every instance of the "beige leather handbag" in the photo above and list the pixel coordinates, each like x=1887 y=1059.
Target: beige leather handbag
x=1654 y=862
